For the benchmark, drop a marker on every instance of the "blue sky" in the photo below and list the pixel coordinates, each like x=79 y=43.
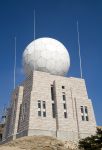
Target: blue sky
x=56 y=19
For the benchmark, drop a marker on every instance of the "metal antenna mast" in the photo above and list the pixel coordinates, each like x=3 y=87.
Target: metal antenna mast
x=34 y=33
x=81 y=74
x=15 y=64
x=34 y=25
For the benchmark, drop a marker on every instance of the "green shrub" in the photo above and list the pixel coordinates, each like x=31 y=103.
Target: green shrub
x=92 y=143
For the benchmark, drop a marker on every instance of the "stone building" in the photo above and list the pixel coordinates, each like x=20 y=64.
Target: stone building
x=52 y=105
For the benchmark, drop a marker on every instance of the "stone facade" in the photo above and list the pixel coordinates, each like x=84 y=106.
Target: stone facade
x=50 y=105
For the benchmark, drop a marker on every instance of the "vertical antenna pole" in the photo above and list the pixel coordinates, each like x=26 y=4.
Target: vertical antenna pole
x=34 y=33
x=15 y=64
x=34 y=25
x=81 y=74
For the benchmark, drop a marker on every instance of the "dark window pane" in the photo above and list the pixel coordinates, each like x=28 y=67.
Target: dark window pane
x=3 y=117
x=87 y=119
x=44 y=114
x=64 y=105
x=82 y=118
x=65 y=114
x=39 y=113
x=44 y=105
x=53 y=111
x=52 y=92
x=64 y=97
x=39 y=104
x=82 y=109
x=86 y=111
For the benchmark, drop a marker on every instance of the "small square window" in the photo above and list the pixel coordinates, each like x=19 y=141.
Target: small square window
x=39 y=113
x=44 y=113
x=65 y=114
x=63 y=87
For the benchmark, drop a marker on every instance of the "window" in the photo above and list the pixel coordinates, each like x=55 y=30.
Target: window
x=53 y=110
x=65 y=114
x=84 y=113
x=82 y=118
x=52 y=92
x=87 y=119
x=44 y=105
x=63 y=87
x=3 y=117
x=39 y=113
x=53 y=101
x=39 y=104
x=64 y=105
x=82 y=109
x=44 y=113
x=64 y=97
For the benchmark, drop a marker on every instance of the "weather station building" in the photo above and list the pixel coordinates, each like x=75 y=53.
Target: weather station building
x=47 y=102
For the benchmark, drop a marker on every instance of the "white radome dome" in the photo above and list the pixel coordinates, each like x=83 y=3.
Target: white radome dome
x=47 y=55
